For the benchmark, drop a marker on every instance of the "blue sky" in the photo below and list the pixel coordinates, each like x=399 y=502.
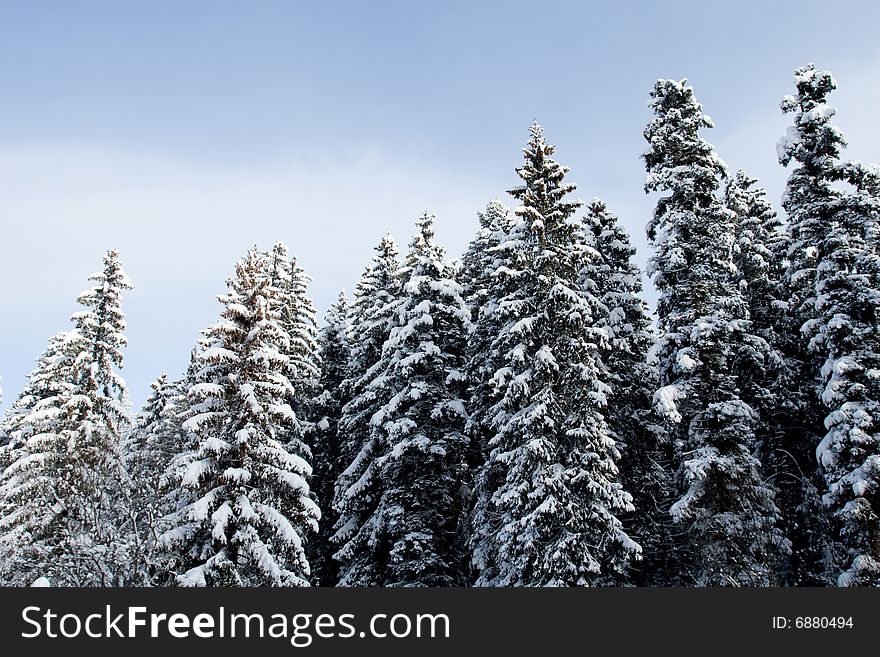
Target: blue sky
x=184 y=132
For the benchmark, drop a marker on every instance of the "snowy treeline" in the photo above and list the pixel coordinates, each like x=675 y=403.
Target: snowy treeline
x=516 y=417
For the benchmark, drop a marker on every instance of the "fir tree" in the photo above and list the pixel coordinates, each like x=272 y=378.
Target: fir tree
x=724 y=505
x=43 y=387
x=645 y=464
x=770 y=386
x=477 y=263
x=483 y=288
x=758 y=258
x=376 y=298
x=297 y=313
x=808 y=200
x=4 y=439
x=834 y=283
x=173 y=494
x=154 y=440
x=548 y=497
x=335 y=350
x=250 y=508
x=759 y=251
x=64 y=492
x=45 y=381
x=415 y=530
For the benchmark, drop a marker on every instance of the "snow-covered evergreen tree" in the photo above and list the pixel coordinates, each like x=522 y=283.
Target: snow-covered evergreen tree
x=758 y=256
x=477 y=263
x=173 y=494
x=335 y=349
x=4 y=439
x=298 y=315
x=250 y=505
x=44 y=385
x=376 y=298
x=834 y=283
x=815 y=143
x=759 y=251
x=482 y=289
x=726 y=508
x=155 y=439
x=64 y=492
x=46 y=380
x=646 y=464
x=848 y=335
x=416 y=537
x=485 y=282
x=770 y=386
x=548 y=497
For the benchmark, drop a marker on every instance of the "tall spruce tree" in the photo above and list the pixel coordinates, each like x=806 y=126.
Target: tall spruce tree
x=758 y=256
x=725 y=507
x=154 y=440
x=182 y=450
x=770 y=386
x=759 y=251
x=477 y=263
x=64 y=492
x=298 y=318
x=250 y=507
x=4 y=438
x=808 y=200
x=548 y=497
x=484 y=284
x=416 y=537
x=335 y=348
x=487 y=279
x=834 y=283
x=44 y=385
x=46 y=380
x=376 y=298
x=646 y=463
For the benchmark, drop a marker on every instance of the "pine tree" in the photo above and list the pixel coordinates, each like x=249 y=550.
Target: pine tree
x=298 y=315
x=4 y=439
x=335 y=350
x=376 y=298
x=154 y=440
x=64 y=493
x=848 y=335
x=758 y=257
x=808 y=199
x=726 y=508
x=250 y=508
x=174 y=495
x=645 y=464
x=43 y=388
x=477 y=263
x=760 y=251
x=415 y=532
x=45 y=381
x=548 y=497
x=834 y=283
x=483 y=288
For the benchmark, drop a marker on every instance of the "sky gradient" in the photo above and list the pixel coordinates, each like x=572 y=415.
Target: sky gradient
x=182 y=133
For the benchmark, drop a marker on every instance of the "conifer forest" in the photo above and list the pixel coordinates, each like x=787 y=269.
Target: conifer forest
x=513 y=416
